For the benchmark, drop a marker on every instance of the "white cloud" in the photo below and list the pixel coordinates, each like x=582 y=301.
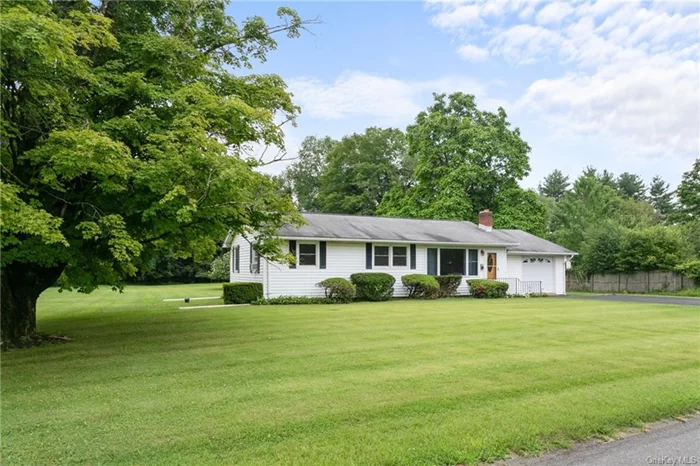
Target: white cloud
x=462 y=15
x=524 y=44
x=354 y=94
x=629 y=69
x=554 y=12
x=651 y=109
x=358 y=94
x=473 y=53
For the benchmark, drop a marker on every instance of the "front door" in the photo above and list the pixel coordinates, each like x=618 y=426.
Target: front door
x=491 y=265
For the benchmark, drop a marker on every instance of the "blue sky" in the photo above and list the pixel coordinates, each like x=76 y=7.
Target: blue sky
x=609 y=84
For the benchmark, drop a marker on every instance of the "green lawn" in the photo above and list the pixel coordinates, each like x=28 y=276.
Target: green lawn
x=406 y=382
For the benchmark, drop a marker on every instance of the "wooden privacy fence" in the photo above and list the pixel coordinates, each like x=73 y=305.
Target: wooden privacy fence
x=640 y=282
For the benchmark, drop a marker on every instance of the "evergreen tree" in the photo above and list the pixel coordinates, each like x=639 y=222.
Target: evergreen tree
x=660 y=196
x=632 y=186
x=554 y=185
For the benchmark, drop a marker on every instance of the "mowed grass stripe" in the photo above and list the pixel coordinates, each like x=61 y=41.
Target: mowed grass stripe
x=406 y=382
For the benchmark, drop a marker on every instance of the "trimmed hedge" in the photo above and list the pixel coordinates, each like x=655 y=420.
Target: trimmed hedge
x=293 y=300
x=421 y=286
x=242 y=292
x=338 y=289
x=480 y=288
x=448 y=284
x=373 y=286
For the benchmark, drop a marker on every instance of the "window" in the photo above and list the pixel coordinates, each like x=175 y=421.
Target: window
x=381 y=256
x=452 y=261
x=254 y=259
x=307 y=254
x=473 y=262
x=399 y=257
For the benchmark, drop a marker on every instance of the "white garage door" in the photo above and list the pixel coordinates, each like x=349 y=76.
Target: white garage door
x=540 y=269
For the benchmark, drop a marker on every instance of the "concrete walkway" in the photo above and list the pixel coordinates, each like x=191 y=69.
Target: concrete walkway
x=666 y=443
x=639 y=299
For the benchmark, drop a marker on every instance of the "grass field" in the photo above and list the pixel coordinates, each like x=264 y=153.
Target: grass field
x=443 y=382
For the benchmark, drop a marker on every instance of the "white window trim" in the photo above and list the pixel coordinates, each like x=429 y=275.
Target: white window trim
x=478 y=251
x=317 y=254
x=374 y=255
x=408 y=256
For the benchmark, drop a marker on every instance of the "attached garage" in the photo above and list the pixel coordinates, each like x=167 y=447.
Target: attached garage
x=540 y=269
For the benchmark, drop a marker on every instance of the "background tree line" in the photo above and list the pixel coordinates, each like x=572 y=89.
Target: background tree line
x=456 y=160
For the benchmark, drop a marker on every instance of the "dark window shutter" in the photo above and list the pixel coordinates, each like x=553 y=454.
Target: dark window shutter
x=368 y=256
x=238 y=258
x=293 y=252
x=464 y=263
x=432 y=261
x=322 y=254
x=257 y=263
x=413 y=256
x=250 y=261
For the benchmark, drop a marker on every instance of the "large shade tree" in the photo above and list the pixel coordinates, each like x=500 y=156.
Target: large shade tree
x=361 y=169
x=124 y=135
x=303 y=177
x=465 y=159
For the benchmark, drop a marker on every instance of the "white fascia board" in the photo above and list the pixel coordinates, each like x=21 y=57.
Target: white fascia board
x=395 y=241
x=537 y=253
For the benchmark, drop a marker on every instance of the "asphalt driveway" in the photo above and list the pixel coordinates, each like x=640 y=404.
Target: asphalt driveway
x=667 y=443
x=639 y=299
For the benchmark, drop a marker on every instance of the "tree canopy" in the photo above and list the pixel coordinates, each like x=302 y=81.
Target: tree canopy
x=661 y=197
x=689 y=194
x=124 y=135
x=554 y=185
x=361 y=169
x=465 y=158
x=303 y=177
x=631 y=185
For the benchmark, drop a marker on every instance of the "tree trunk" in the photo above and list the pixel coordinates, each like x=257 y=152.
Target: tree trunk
x=20 y=287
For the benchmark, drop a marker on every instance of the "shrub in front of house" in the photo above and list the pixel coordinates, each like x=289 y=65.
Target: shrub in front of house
x=373 y=286
x=293 y=300
x=242 y=292
x=421 y=286
x=479 y=288
x=338 y=289
x=448 y=284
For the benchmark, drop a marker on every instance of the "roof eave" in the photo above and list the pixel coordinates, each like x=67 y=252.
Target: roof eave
x=384 y=240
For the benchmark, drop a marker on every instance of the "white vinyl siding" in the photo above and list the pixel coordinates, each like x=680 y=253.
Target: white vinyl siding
x=245 y=274
x=345 y=258
x=556 y=284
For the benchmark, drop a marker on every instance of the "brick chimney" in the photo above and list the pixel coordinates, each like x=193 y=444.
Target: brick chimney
x=486 y=220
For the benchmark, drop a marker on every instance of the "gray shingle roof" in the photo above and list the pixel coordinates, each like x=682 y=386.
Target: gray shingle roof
x=355 y=227
x=352 y=227
x=530 y=243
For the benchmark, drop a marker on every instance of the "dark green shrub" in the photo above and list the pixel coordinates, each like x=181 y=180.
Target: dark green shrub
x=421 y=286
x=448 y=284
x=242 y=292
x=338 y=289
x=480 y=288
x=293 y=300
x=373 y=286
